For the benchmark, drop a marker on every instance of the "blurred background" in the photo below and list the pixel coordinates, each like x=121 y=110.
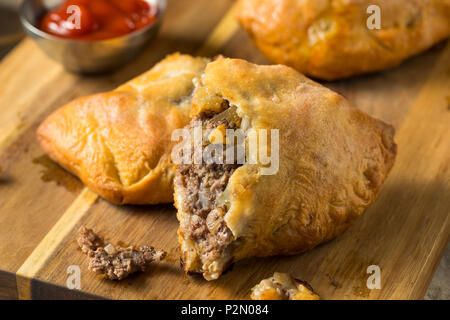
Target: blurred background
x=10 y=29
x=11 y=33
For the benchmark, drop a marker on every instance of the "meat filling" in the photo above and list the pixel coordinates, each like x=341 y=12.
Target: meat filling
x=202 y=186
x=115 y=262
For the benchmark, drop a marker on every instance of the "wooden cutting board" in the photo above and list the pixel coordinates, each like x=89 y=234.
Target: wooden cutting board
x=41 y=206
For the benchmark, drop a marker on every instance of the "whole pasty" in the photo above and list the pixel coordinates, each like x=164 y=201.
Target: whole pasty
x=118 y=143
x=332 y=161
x=330 y=39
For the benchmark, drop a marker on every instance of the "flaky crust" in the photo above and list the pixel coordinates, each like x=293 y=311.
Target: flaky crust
x=118 y=143
x=333 y=160
x=329 y=39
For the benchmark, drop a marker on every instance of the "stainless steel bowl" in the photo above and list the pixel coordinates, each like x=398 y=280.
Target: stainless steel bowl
x=86 y=57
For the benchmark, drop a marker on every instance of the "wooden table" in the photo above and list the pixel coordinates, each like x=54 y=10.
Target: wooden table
x=41 y=206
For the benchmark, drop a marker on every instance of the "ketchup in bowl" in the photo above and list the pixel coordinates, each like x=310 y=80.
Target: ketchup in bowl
x=91 y=20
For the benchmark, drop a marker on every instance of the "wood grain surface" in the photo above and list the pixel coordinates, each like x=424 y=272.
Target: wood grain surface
x=42 y=206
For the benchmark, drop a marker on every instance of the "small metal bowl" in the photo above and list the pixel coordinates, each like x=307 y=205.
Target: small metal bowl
x=87 y=57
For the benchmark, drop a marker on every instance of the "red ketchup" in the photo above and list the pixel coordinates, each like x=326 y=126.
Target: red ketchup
x=90 y=20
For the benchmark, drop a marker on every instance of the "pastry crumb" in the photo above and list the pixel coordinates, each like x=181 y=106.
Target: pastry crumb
x=281 y=286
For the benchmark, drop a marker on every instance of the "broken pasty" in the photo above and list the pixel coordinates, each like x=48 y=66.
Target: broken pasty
x=317 y=165
x=330 y=39
x=118 y=143
x=283 y=287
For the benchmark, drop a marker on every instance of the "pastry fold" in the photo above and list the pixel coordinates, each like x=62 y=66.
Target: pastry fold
x=118 y=143
x=331 y=39
x=332 y=161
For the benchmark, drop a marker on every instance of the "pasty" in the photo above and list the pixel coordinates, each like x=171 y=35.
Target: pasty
x=118 y=143
x=327 y=162
x=330 y=39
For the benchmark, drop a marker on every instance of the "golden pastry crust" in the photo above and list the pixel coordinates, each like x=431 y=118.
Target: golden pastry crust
x=282 y=286
x=333 y=160
x=329 y=39
x=118 y=143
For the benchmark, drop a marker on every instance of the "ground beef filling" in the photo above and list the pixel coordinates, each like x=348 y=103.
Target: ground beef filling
x=203 y=184
x=115 y=262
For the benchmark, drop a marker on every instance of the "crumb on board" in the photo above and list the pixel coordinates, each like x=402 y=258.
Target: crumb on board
x=115 y=262
x=281 y=286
